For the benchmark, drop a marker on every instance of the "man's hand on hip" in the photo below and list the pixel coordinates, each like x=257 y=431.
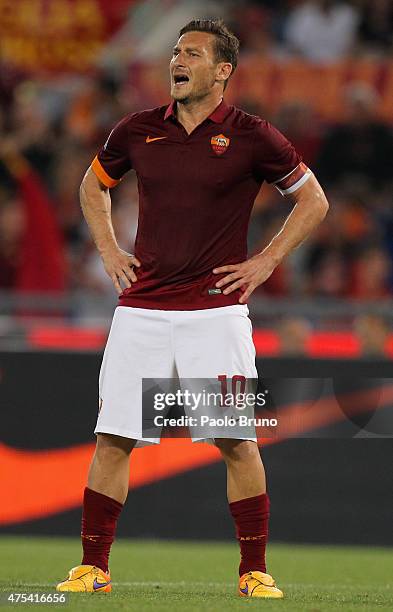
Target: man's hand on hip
x=119 y=265
x=246 y=275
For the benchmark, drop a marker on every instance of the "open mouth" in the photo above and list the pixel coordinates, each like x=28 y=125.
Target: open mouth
x=180 y=79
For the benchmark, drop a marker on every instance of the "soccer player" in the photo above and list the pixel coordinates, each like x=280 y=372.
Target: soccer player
x=182 y=312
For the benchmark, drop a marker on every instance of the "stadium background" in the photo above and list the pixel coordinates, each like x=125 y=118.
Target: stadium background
x=69 y=69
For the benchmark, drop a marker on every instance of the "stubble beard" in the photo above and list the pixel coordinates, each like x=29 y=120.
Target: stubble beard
x=194 y=97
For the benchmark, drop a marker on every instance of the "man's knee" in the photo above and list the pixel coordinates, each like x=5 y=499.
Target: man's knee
x=113 y=448
x=237 y=450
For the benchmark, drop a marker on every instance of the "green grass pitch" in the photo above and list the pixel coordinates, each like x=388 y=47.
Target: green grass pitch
x=177 y=576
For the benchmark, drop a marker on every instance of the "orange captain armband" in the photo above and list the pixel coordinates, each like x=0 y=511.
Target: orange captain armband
x=102 y=175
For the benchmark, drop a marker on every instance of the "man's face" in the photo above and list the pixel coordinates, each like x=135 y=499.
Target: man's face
x=193 y=67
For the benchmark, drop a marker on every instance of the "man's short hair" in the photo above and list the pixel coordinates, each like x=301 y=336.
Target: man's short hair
x=226 y=43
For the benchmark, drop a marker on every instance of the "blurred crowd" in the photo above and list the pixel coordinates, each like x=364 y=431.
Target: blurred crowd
x=51 y=130
x=350 y=255
x=317 y=30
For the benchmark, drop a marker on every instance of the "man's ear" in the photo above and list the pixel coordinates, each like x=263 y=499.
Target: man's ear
x=224 y=71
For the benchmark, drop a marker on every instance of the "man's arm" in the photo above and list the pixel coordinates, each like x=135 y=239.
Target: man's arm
x=96 y=207
x=310 y=209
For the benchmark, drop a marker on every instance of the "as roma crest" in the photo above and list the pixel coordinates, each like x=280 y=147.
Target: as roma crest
x=220 y=144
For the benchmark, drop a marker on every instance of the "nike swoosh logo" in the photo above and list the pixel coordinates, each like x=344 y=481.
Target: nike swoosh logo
x=99 y=585
x=148 y=139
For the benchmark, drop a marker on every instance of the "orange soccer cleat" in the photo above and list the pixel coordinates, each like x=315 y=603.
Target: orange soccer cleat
x=86 y=579
x=258 y=584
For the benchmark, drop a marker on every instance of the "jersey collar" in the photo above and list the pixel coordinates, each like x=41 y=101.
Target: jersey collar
x=217 y=116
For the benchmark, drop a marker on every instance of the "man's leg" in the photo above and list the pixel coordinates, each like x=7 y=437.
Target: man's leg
x=109 y=472
x=104 y=496
x=103 y=500
x=248 y=500
x=245 y=471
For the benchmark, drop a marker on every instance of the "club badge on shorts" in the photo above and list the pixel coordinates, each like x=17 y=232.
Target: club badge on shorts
x=220 y=144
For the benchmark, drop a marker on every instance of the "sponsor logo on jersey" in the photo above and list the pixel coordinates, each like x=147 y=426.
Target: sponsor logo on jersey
x=220 y=144
x=150 y=139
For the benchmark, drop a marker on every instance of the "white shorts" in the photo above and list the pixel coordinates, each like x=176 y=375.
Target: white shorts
x=162 y=344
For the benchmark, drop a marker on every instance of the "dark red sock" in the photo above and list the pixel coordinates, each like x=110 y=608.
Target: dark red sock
x=99 y=519
x=251 y=518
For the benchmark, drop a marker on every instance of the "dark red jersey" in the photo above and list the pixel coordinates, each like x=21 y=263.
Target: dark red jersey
x=196 y=193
